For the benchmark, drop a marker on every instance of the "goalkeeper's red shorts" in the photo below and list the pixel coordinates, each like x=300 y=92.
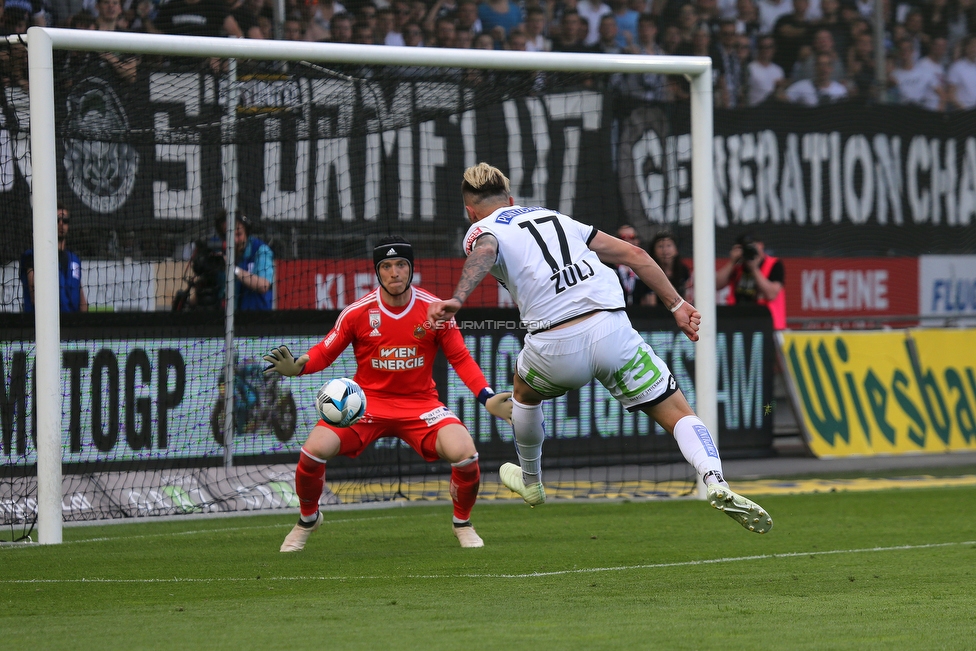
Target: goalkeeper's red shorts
x=416 y=423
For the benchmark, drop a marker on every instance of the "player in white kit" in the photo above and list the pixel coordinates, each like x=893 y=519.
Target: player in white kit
x=572 y=305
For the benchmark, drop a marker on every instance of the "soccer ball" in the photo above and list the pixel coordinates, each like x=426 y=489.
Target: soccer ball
x=341 y=402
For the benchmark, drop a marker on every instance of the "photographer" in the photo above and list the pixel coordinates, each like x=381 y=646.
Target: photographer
x=72 y=293
x=254 y=265
x=254 y=269
x=755 y=278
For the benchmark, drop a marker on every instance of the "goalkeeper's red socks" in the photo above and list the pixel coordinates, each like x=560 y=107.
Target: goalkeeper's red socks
x=465 y=480
x=309 y=482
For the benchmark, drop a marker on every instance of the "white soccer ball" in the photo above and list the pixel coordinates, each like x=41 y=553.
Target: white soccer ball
x=341 y=402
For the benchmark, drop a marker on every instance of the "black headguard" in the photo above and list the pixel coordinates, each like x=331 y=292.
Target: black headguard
x=393 y=247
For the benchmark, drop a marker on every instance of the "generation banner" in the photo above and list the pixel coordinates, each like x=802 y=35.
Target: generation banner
x=868 y=393
x=847 y=179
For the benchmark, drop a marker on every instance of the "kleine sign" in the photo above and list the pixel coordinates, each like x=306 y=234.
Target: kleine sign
x=335 y=284
x=851 y=287
x=815 y=287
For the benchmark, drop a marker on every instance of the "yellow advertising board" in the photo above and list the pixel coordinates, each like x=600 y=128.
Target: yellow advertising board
x=947 y=366
x=867 y=393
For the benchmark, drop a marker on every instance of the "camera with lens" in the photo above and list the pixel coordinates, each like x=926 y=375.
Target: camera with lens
x=749 y=250
x=207 y=265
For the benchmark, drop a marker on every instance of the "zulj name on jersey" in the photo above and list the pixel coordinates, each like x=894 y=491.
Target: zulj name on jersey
x=398 y=359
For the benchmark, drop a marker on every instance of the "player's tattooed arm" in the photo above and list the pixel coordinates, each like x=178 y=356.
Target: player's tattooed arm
x=476 y=267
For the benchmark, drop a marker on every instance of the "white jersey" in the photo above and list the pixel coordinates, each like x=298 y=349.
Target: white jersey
x=962 y=77
x=921 y=84
x=545 y=262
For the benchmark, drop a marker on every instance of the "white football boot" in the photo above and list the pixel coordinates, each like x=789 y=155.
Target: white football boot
x=741 y=509
x=511 y=476
x=467 y=536
x=298 y=536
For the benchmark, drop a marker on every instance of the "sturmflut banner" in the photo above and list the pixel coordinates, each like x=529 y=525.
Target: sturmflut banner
x=296 y=150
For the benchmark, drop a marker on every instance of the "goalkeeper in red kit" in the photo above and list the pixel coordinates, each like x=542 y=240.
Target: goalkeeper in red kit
x=395 y=347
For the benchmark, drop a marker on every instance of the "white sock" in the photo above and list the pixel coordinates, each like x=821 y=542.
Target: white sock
x=530 y=432
x=697 y=446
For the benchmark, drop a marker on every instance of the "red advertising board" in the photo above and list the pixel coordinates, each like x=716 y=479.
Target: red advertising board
x=816 y=288
x=334 y=284
x=851 y=288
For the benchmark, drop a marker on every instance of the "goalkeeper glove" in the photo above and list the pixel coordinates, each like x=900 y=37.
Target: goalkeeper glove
x=498 y=405
x=283 y=362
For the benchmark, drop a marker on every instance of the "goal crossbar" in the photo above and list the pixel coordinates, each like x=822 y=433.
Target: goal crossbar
x=233 y=48
x=41 y=42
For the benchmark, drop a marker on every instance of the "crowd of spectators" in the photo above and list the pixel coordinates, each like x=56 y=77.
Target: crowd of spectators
x=802 y=51
x=807 y=52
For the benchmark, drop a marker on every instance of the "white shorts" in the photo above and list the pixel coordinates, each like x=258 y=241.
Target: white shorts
x=604 y=346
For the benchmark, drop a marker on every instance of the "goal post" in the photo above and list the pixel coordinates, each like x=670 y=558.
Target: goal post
x=47 y=307
x=703 y=248
x=43 y=41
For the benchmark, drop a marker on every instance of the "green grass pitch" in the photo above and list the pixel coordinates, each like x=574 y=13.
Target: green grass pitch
x=874 y=570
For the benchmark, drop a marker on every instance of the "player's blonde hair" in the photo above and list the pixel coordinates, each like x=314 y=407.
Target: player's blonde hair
x=483 y=182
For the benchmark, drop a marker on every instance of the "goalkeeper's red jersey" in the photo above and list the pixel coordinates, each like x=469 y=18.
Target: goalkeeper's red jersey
x=395 y=348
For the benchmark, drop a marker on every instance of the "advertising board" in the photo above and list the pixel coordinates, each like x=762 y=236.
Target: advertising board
x=868 y=393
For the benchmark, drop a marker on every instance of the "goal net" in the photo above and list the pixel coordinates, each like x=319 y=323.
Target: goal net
x=317 y=151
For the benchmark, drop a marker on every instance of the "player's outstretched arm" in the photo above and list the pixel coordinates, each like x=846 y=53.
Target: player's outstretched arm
x=475 y=268
x=615 y=251
x=284 y=363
